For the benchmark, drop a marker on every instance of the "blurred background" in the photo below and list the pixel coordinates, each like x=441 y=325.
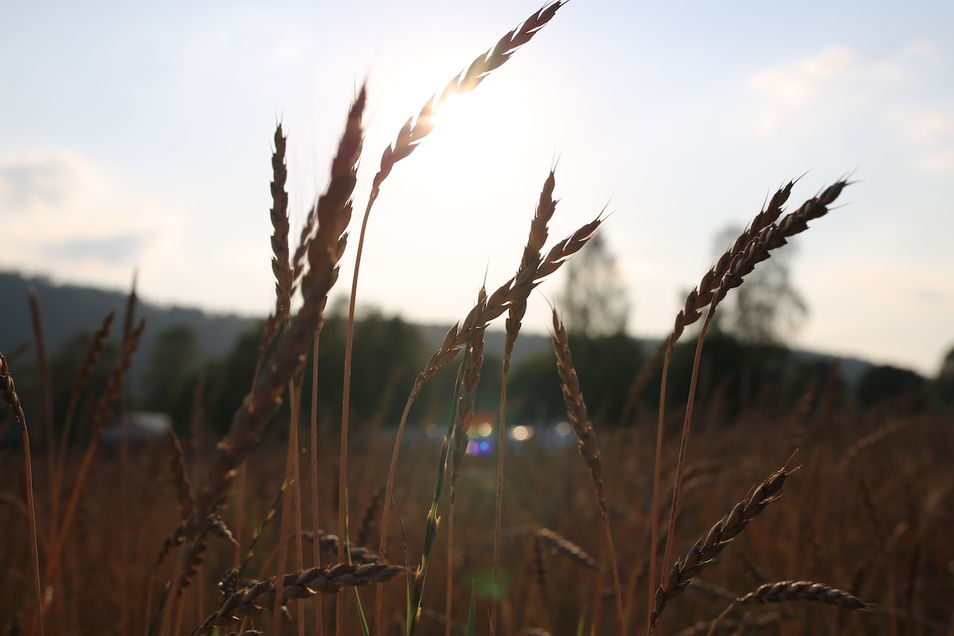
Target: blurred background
x=135 y=153
x=138 y=139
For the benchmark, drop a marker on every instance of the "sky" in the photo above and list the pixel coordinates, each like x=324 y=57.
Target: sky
x=138 y=136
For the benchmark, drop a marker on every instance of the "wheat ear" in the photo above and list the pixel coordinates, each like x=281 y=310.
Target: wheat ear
x=285 y=277
x=278 y=214
x=784 y=591
x=104 y=411
x=419 y=127
x=787 y=591
x=567 y=548
x=263 y=401
x=46 y=402
x=704 y=551
x=371 y=515
x=79 y=383
x=522 y=285
x=470 y=378
x=691 y=311
x=757 y=247
x=255 y=599
x=408 y=138
x=478 y=318
x=11 y=397
x=580 y=420
x=180 y=476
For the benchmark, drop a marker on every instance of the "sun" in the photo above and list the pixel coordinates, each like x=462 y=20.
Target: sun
x=452 y=113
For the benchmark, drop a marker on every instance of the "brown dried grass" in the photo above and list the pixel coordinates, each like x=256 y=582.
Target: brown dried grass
x=9 y=391
x=905 y=557
x=704 y=551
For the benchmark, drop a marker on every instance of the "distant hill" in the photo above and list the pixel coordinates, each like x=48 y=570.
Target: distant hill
x=530 y=344
x=68 y=309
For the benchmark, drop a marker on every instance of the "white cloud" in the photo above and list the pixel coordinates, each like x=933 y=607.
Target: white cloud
x=788 y=90
x=887 y=311
x=891 y=102
x=929 y=131
x=65 y=216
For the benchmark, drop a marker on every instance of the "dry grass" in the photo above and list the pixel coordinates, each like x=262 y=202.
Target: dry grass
x=523 y=286
x=877 y=533
x=9 y=390
x=704 y=551
x=258 y=597
x=580 y=420
x=551 y=486
x=567 y=548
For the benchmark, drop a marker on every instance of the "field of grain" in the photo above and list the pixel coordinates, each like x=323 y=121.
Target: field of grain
x=815 y=518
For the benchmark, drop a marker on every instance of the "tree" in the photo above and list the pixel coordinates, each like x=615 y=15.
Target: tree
x=887 y=384
x=228 y=379
x=388 y=353
x=66 y=365
x=767 y=308
x=594 y=301
x=944 y=383
x=604 y=364
x=173 y=359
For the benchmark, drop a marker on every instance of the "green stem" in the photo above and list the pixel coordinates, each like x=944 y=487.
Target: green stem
x=430 y=529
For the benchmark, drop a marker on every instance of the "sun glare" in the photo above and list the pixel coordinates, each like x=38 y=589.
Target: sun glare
x=451 y=113
x=468 y=129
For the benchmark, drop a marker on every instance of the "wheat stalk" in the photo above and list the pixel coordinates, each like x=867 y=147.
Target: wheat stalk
x=701 y=296
x=79 y=383
x=784 y=591
x=409 y=137
x=567 y=548
x=746 y=622
x=104 y=411
x=9 y=391
x=529 y=262
x=255 y=599
x=758 y=247
x=456 y=338
x=787 y=591
x=325 y=250
x=466 y=400
x=46 y=401
x=417 y=128
x=370 y=519
x=282 y=269
x=180 y=476
x=704 y=551
x=330 y=542
x=580 y=420
x=263 y=401
x=281 y=265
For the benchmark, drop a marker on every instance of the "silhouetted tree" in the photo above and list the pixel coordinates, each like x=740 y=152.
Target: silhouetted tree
x=767 y=308
x=534 y=390
x=944 y=383
x=740 y=372
x=387 y=350
x=604 y=364
x=170 y=365
x=594 y=300
x=66 y=365
x=887 y=384
x=228 y=380
x=388 y=353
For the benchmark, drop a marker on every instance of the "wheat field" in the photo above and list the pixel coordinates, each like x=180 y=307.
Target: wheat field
x=817 y=518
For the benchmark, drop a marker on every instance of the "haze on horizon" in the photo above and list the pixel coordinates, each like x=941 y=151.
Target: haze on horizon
x=140 y=138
